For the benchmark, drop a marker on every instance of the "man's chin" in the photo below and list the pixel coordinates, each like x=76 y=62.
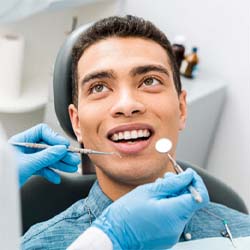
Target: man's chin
x=129 y=177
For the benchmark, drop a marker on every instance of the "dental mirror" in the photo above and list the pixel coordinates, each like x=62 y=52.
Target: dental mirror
x=163 y=145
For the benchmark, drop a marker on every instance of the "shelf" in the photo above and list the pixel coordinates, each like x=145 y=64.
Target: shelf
x=201 y=86
x=33 y=97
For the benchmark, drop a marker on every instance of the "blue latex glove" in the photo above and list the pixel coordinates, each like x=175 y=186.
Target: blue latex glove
x=40 y=162
x=152 y=216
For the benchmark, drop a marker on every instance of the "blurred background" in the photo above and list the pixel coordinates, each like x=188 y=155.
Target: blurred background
x=217 y=135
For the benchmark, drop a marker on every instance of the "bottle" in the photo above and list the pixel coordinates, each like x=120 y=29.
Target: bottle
x=189 y=64
x=179 y=49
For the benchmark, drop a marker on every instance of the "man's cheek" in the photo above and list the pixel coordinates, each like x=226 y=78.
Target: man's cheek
x=88 y=133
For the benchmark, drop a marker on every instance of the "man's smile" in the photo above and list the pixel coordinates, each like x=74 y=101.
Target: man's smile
x=131 y=138
x=128 y=135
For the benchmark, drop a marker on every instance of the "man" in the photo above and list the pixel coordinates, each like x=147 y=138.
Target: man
x=127 y=95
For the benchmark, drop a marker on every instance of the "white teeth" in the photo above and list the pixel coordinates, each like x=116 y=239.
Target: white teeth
x=145 y=133
x=140 y=133
x=116 y=137
x=134 y=134
x=120 y=135
x=127 y=135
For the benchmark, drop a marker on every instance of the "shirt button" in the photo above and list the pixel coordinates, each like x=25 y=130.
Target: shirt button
x=188 y=236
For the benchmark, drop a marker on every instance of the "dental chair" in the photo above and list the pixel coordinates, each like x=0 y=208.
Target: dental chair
x=41 y=200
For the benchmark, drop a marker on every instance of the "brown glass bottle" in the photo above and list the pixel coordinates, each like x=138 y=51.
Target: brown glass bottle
x=189 y=64
x=179 y=49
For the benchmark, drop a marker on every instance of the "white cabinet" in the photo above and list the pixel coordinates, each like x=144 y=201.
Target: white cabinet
x=205 y=98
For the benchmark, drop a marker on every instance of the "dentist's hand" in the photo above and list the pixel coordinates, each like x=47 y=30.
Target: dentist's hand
x=32 y=161
x=154 y=215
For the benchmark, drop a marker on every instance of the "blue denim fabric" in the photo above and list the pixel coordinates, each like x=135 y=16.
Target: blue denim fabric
x=204 y=225
x=60 y=231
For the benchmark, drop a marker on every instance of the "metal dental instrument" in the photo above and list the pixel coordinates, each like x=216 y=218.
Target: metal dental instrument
x=229 y=233
x=163 y=146
x=70 y=148
x=191 y=189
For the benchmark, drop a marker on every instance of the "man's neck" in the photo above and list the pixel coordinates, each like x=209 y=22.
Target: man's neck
x=114 y=190
x=111 y=188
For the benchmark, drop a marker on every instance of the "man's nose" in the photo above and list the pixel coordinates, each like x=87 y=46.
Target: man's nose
x=127 y=104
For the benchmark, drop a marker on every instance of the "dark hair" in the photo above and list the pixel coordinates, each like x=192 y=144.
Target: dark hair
x=115 y=26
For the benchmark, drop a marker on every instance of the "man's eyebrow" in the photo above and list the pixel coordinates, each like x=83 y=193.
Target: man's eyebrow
x=97 y=75
x=147 y=68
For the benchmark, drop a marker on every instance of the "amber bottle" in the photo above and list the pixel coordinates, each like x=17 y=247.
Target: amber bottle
x=189 y=64
x=179 y=49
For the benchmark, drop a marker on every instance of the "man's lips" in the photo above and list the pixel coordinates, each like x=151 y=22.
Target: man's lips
x=130 y=138
x=131 y=148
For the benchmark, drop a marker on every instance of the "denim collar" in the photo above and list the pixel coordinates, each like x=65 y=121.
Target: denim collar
x=97 y=201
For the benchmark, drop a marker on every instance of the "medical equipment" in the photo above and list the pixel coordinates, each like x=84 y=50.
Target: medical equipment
x=229 y=235
x=191 y=189
x=163 y=146
x=70 y=148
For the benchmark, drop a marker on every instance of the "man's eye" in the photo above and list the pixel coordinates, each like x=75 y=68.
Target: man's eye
x=151 y=81
x=98 y=88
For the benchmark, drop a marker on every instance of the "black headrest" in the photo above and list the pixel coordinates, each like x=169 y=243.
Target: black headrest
x=62 y=80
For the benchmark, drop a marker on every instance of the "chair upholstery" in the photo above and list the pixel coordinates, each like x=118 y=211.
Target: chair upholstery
x=42 y=200
x=62 y=89
x=62 y=81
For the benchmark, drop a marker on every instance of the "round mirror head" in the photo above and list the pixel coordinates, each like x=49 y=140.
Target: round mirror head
x=163 y=145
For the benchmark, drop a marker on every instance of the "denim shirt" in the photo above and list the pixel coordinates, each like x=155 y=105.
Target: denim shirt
x=60 y=231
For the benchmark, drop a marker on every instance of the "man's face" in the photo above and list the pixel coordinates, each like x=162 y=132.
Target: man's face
x=126 y=102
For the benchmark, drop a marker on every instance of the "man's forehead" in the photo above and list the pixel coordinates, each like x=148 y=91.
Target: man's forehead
x=127 y=53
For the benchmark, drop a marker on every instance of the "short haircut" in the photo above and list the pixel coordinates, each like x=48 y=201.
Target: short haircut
x=115 y=26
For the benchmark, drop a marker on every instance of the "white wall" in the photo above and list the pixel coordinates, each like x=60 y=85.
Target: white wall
x=220 y=28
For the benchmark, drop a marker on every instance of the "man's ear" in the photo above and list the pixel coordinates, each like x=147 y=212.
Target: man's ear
x=183 y=109
x=73 y=114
